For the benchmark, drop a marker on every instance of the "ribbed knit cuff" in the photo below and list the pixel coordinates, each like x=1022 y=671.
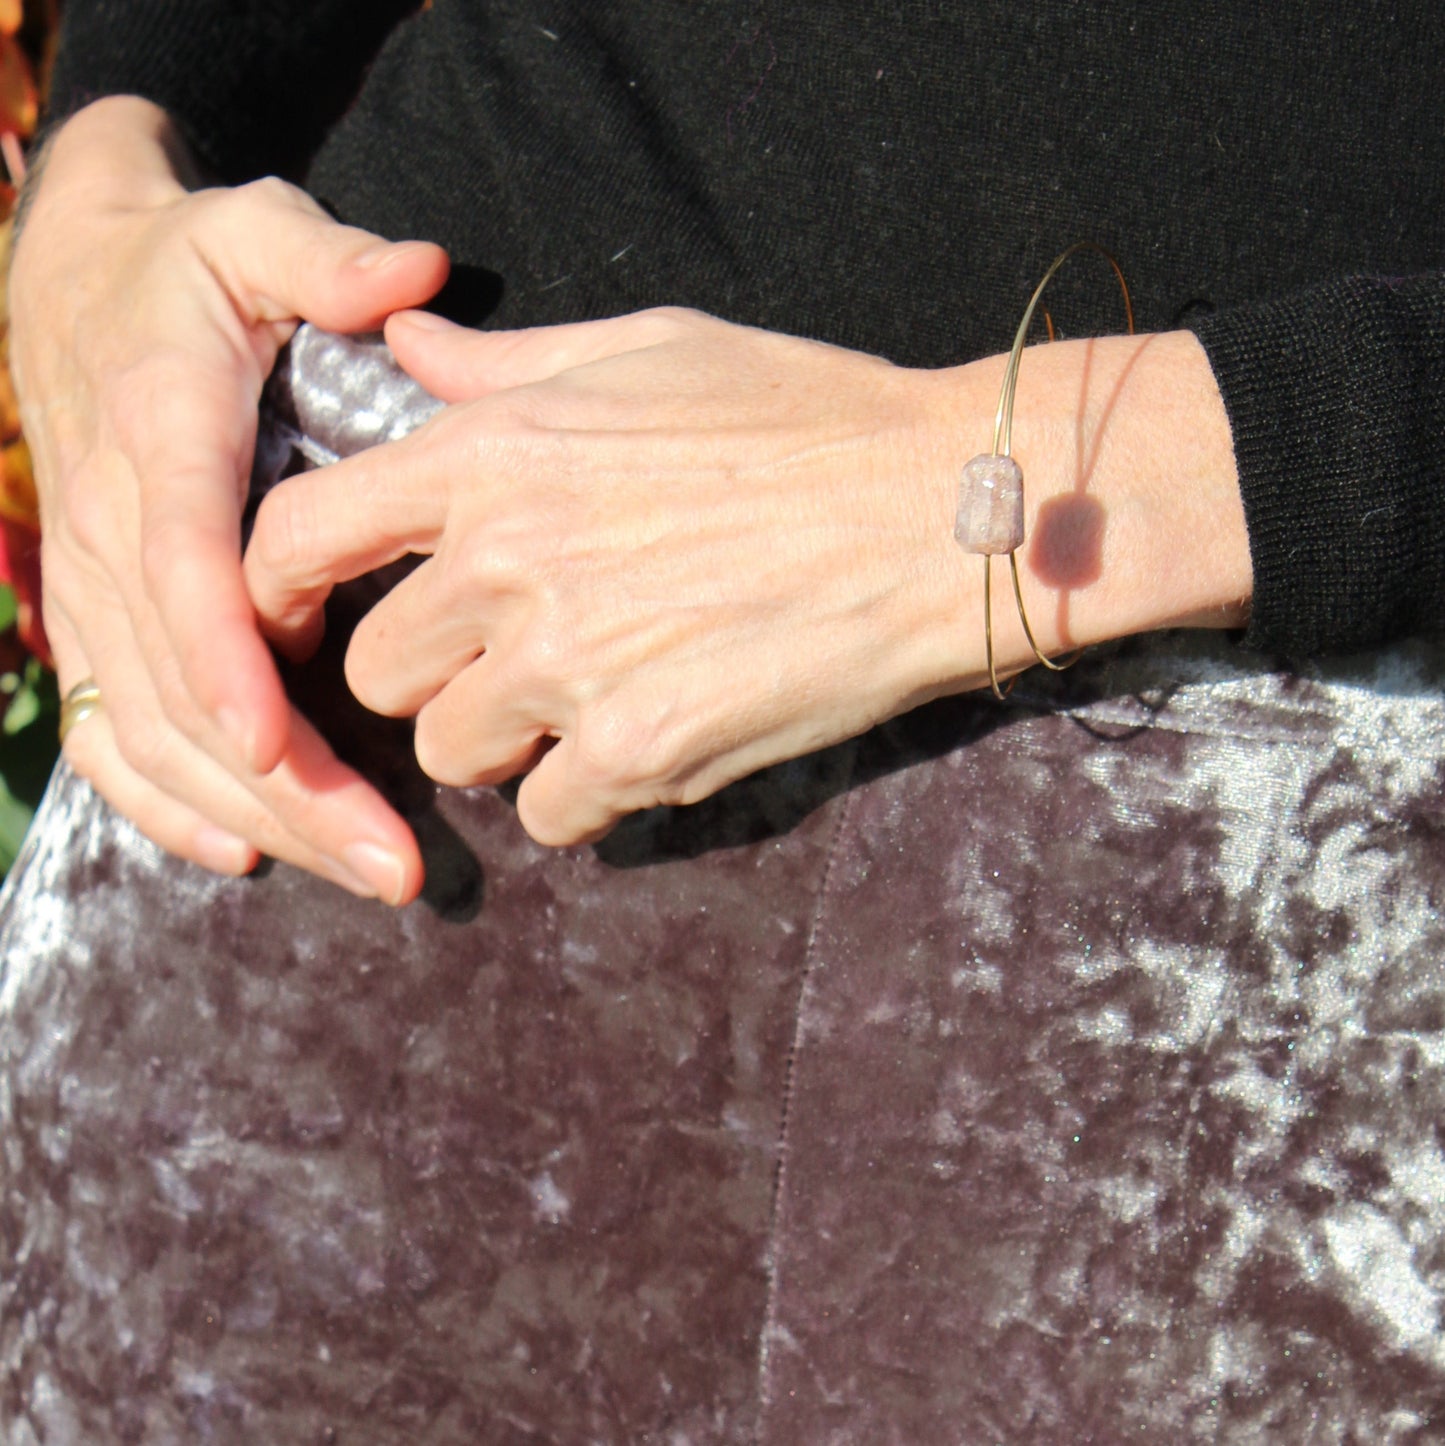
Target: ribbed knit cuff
x=1336 y=397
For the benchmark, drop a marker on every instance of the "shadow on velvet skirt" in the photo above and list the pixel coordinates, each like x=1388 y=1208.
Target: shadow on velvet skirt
x=1072 y=1071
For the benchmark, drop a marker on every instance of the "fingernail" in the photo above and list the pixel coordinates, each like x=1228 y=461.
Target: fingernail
x=378 y=868
x=423 y=321
x=238 y=730
x=338 y=873
x=388 y=253
x=223 y=852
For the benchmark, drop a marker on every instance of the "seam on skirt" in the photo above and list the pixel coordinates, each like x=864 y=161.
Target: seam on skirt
x=777 y=1216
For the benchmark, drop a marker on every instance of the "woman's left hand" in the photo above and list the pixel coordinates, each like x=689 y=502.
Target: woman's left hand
x=666 y=551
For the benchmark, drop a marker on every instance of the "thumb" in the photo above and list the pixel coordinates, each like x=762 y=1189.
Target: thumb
x=457 y=364
x=283 y=259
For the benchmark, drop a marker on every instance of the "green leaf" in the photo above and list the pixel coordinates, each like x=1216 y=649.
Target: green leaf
x=28 y=750
x=14 y=821
x=23 y=711
x=9 y=608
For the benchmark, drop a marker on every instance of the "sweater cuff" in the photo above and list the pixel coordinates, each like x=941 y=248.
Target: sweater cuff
x=1336 y=398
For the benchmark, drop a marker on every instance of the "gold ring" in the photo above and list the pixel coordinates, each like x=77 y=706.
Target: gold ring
x=78 y=705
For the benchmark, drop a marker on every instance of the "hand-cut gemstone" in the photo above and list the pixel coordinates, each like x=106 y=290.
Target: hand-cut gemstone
x=990 y=505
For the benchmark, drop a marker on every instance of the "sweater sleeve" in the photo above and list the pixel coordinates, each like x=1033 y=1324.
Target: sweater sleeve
x=253 y=84
x=1336 y=397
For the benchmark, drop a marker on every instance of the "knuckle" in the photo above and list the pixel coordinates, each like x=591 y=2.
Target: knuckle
x=266 y=191
x=145 y=747
x=545 y=825
x=486 y=565
x=283 y=540
x=675 y=320
x=89 y=517
x=436 y=754
x=614 y=746
x=367 y=682
x=203 y=206
x=540 y=660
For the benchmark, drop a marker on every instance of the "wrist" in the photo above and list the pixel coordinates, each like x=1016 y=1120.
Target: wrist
x=1133 y=518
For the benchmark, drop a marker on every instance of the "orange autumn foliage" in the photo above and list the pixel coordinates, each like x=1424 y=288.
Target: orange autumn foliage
x=19 y=510
x=19 y=102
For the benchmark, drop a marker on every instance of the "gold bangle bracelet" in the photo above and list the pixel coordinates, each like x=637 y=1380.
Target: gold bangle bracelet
x=990 y=518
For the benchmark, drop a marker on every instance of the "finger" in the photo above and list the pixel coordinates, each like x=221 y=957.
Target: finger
x=615 y=757
x=479 y=731
x=188 y=452
x=341 y=817
x=321 y=528
x=390 y=870
x=90 y=749
x=311 y=810
x=557 y=807
x=310 y=266
x=410 y=646
x=456 y=363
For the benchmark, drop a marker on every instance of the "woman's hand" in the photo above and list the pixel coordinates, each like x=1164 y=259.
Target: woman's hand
x=146 y=317
x=666 y=551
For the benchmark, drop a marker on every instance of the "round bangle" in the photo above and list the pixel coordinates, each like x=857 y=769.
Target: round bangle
x=990 y=517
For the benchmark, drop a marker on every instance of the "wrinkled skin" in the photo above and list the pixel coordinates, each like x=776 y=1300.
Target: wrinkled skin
x=664 y=551
x=147 y=313
x=649 y=548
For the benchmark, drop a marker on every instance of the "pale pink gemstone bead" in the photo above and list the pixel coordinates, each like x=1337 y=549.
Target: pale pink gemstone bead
x=990 y=505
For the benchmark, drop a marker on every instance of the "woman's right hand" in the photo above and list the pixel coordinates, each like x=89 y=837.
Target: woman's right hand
x=146 y=316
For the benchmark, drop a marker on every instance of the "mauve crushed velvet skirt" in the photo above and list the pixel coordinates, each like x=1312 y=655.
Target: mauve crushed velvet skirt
x=1064 y=1072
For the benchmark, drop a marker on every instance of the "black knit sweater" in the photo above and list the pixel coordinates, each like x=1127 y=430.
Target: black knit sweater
x=893 y=177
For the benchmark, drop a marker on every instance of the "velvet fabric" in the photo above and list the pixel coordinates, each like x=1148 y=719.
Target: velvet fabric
x=1070 y=1071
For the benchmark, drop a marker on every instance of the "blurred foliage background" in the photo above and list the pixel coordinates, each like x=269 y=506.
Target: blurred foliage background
x=29 y=707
